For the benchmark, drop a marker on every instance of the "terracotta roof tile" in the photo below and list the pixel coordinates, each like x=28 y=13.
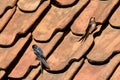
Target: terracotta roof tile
x=70 y=48
x=109 y=68
x=116 y=75
x=7 y=55
x=59 y=21
x=6 y=4
x=105 y=7
x=20 y=23
x=28 y=5
x=65 y=2
x=6 y=17
x=29 y=58
x=89 y=71
x=61 y=29
x=114 y=21
x=2 y=73
x=101 y=53
x=81 y=23
x=67 y=75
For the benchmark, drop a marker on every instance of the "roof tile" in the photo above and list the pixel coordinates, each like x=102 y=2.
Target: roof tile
x=2 y=73
x=20 y=23
x=67 y=75
x=70 y=48
x=81 y=23
x=89 y=71
x=65 y=2
x=28 y=5
x=5 y=4
x=56 y=19
x=109 y=68
x=6 y=17
x=7 y=55
x=116 y=75
x=58 y=27
x=111 y=40
x=29 y=58
x=34 y=72
x=105 y=7
x=115 y=19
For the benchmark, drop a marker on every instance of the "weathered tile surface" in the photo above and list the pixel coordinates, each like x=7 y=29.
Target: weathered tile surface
x=67 y=75
x=70 y=48
x=28 y=5
x=65 y=2
x=56 y=19
x=116 y=75
x=105 y=45
x=100 y=9
x=7 y=55
x=20 y=23
x=56 y=26
x=109 y=68
x=2 y=73
x=4 y=4
x=115 y=19
x=89 y=71
x=105 y=7
x=81 y=23
x=6 y=17
x=29 y=58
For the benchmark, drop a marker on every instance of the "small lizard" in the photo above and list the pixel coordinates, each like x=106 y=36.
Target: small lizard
x=39 y=53
x=90 y=29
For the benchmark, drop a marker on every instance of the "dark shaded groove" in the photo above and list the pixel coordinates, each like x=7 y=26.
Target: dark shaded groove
x=57 y=4
x=16 y=60
x=6 y=9
x=34 y=25
x=40 y=18
x=72 y=78
x=115 y=27
x=113 y=71
x=30 y=69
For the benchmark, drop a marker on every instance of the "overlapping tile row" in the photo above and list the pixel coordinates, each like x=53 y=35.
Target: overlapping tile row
x=57 y=27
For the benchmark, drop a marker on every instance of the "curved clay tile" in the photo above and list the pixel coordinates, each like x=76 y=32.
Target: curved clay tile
x=19 y=24
x=65 y=2
x=5 y=18
x=29 y=58
x=5 y=4
x=28 y=5
x=115 y=19
x=56 y=19
x=105 y=46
